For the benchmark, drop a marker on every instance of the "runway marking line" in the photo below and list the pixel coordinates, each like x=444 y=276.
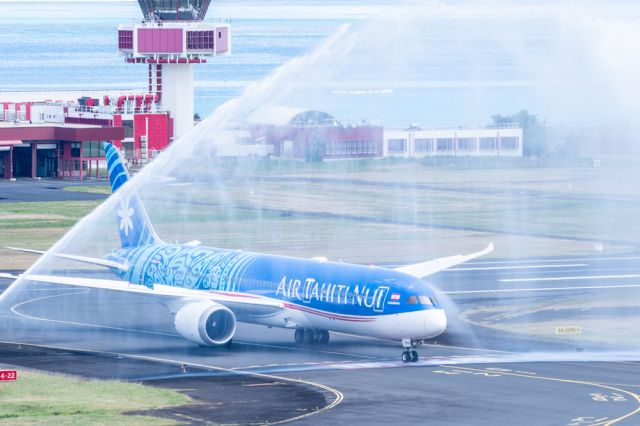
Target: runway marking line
x=338 y=395
x=80 y=324
x=585 y=277
x=516 y=290
x=15 y=311
x=496 y=268
x=579 y=259
x=576 y=382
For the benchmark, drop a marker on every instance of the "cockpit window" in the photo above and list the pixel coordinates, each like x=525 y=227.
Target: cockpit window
x=424 y=300
x=420 y=300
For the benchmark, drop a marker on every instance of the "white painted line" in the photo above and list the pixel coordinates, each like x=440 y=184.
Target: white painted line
x=589 y=277
x=516 y=290
x=490 y=268
x=580 y=259
x=289 y=348
x=467 y=348
x=15 y=307
x=338 y=395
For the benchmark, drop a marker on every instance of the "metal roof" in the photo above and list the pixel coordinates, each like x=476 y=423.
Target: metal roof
x=60 y=132
x=289 y=116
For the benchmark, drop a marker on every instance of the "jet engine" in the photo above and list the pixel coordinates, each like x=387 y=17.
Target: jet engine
x=206 y=323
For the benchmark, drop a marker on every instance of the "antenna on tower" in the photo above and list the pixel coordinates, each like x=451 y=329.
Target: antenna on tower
x=174 y=10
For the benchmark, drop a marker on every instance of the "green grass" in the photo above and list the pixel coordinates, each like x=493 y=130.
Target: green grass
x=518 y=209
x=93 y=189
x=36 y=226
x=44 y=399
x=44 y=214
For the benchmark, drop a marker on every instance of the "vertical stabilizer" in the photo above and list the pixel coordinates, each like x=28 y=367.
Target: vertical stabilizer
x=134 y=225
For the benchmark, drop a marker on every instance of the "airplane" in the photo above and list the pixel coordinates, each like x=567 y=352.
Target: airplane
x=208 y=290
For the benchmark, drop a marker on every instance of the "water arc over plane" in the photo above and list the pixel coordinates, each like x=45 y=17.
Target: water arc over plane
x=265 y=173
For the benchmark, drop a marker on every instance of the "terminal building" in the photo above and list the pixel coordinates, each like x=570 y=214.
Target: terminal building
x=52 y=138
x=63 y=139
x=313 y=135
x=416 y=142
x=317 y=135
x=42 y=140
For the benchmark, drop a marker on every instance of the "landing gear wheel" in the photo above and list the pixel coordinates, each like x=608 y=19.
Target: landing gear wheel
x=299 y=335
x=323 y=337
x=409 y=354
x=307 y=337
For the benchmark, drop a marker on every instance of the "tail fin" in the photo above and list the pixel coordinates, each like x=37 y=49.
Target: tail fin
x=134 y=225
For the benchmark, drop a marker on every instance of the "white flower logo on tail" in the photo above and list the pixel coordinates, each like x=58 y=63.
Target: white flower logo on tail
x=125 y=213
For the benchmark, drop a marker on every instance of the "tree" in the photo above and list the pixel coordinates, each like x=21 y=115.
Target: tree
x=314 y=150
x=535 y=138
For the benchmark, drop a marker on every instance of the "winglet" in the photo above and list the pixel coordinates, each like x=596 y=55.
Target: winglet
x=424 y=269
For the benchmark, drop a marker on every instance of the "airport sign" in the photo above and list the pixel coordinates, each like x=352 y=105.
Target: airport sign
x=8 y=375
x=565 y=330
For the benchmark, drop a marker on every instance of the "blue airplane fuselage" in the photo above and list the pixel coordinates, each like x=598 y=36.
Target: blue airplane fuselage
x=326 y=286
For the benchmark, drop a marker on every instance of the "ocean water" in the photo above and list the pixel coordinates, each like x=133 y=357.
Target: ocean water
x=457 y=65
x=48 y=46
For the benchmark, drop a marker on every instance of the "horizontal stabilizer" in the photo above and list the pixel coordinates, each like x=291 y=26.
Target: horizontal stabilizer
x=83 y=259
x=25 y=250
x=424 y=269
x=9 y=276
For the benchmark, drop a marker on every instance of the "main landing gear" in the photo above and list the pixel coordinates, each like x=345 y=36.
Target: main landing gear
x=410 y=354
x=311 y=336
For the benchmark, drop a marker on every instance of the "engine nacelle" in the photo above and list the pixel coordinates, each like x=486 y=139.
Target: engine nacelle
x=206 y=323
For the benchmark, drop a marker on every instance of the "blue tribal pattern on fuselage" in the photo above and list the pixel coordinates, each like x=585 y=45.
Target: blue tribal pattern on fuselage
x=328 y=286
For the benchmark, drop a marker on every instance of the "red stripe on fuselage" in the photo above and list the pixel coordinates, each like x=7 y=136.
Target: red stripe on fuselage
x=328 y=314
x=301 y=308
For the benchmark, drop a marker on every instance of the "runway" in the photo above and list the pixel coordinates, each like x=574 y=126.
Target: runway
x=505 y=358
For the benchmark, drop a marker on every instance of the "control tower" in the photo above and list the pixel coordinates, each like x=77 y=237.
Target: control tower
x=171 y=38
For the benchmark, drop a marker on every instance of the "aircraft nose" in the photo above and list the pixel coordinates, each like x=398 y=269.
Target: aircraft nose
x=435 y=322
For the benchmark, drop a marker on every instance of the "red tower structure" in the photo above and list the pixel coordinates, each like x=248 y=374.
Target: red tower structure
x=172 y=38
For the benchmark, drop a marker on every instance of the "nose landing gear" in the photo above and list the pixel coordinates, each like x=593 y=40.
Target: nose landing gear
x=311 y=336
x=410 y=354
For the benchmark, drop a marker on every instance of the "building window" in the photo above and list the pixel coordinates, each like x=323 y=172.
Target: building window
x=467 y=144
x=509 y=143
x=487 y=144
x=75 y=150
x=128 y=128
x=444 y=144
x=350 y=148
x=397 y=145
x=92 y=149
x=200 y=40
x=328 y=148
x=125 y=39
x=424 y=145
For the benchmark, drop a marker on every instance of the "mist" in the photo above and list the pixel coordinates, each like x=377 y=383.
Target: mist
x=431 y=64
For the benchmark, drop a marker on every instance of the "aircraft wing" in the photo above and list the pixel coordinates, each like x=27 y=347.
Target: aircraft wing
x=237 y=301
x=424 y=269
